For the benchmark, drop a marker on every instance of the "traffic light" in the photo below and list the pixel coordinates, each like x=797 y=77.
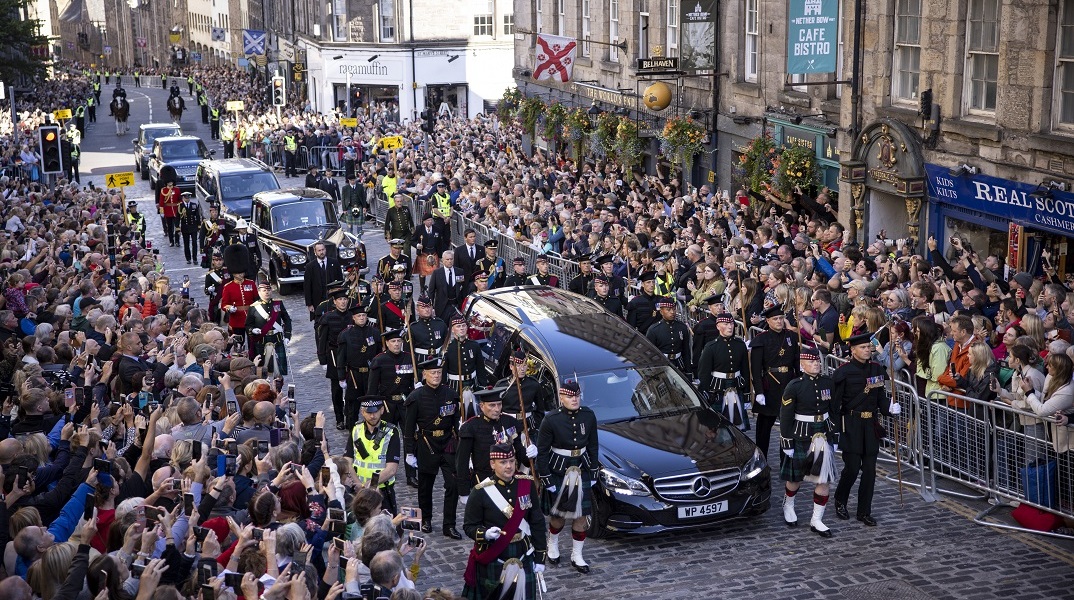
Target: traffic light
x=279 y=93
x=48 y=139
x=926 y=103
x=428 y=117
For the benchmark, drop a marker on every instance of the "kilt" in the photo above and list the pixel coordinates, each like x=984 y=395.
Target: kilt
x=793 y=469
x=585 y=490
x=488 y=576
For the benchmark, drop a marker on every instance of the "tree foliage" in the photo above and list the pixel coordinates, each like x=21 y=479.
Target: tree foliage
x=23 y=51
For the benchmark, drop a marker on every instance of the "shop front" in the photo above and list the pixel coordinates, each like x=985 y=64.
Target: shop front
x=820 y=140
x=1011 y=219
x=887 y=184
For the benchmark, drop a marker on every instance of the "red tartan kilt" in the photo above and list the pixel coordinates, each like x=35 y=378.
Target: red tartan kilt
x=426 y=264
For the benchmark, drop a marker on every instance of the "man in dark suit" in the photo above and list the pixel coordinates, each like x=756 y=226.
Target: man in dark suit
x=131 y=364
x=330 y=186
x=320 y=271
x=313 y=178
x=446 y=286
x=468 y=253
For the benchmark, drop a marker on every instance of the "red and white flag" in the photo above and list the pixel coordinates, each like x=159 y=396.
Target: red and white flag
x=555 y=57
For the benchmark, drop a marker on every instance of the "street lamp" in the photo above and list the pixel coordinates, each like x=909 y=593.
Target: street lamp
x=348 y=94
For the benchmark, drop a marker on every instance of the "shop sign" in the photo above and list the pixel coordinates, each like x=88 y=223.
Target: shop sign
x=1011 y=200
x=375 y=69
x=812 y=36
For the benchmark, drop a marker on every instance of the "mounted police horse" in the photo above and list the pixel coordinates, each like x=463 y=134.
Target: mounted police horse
x=121 y=109
x=175 y=107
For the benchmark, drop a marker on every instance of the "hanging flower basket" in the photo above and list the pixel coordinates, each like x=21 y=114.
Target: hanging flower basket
x=530 y=109
x=577 y=126
x=555 y=115
x=627 y=145
x=509 y=104
x=797 y=168
x=607 y=128
x=758 y=163
x=682 y=138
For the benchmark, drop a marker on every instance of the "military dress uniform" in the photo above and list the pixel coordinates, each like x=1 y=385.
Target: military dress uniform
x=808 y=426
x=496 y=565
x=391 y=376
x=190 y=223
x=672 y=338
x=399 y=224
x=373 y=450
x=494 y=267
x=214 y=286
x=724 y=373
x=516 y=278
x=535 y=398
x=641 y=312
x=859 y=390
x=773 y=364
x=328 y=327
x=705 y=331
x=358 y=346
x=611 y=304
x=393 y=312
x=274 y=324
x=427 y=336
x=582 y=285
x=462 y=362
x=477 y=436
x=543 y=279
x=430 y=434
x=567 y=460
x=236 y=294
x=386 y=266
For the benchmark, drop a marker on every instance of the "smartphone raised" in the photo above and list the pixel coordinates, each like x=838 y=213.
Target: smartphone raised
x=318 y=433
x=102 y=465
x=233 y=580
x=411 y=518
x=195 y=451
x=262 y=448
x=188 y=504
x=87 y=510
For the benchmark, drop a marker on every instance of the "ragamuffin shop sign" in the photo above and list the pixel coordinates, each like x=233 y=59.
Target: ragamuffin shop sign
x=1003 y=198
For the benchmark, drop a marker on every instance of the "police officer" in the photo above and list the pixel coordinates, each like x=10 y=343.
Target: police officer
x=462 y=361
x=214 y=122
x=518 y=275
x=267 y=322
x=706 y=331
x=203 y=102
x=358 y=345
x=290 y=147
x=567 y=463
x=501 y=504
x=137 y=79
x=526 y=392
x=492 y=265
x=136 y=220
x=429 y=435
x=190 y=223
x=858 y=390
x=724 y=372
x=542 y=276
x=395 y=256
x=611 y=304
x=807 y=434
x=227 y=136
x=477 y=436
x=583 y=283
x=91 y=106
x=641 y=310
x=399 y=224
x=328 y=327
x=377 y=450
x=214 y=284
x=670 y=335
x=773 y=358
x=427 y=332
x=391 y=376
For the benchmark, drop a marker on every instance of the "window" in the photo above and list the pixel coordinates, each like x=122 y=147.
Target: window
x=798 y=78
x=613 y=29
x=907 y=55
x=508 y=24
x=387 y=20
x=561 y=17
x=673 y=28
x=587 y=25
x=538 y=16
x=982 y=49
x=1064 y=69
x=339 y=19
x=753 y=42
x=484 y=15
x=643 y=35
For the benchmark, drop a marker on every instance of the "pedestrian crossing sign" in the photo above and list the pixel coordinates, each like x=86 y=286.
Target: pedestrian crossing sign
x=116 y=180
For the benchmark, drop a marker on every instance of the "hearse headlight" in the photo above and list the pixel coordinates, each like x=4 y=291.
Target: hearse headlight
x=346 y=253
x=297 y=259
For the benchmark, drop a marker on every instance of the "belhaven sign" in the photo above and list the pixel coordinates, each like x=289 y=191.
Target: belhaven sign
x=1003 y=198
x=659 y=63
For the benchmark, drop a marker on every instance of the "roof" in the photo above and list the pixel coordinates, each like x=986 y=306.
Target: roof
x=159 y=126
x=576 y=332
x=290 y=195
x=231 y=165
x=177 y=138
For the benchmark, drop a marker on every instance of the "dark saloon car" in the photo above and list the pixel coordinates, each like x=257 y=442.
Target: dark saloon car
x=175 y=158
x=143 y=143
x=667 y=461
x=287 y=223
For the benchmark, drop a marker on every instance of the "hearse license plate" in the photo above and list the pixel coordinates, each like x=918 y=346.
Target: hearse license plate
x=704 y=510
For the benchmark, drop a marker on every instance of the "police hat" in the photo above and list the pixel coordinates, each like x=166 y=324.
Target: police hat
x=570 y=388
x=861 y=338
x=663 y=257
x=714 y=299
x=773 y=311
x=371 y=404
x=433 y=363
x=647 y=276
x=391 y=334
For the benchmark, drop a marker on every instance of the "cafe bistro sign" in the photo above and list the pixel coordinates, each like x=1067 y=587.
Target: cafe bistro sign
x=1003 y=198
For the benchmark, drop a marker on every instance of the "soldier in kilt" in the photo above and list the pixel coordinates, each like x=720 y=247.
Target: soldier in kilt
x=724 y=370
x=567 y=464
x=508 y=554
x=808 y=439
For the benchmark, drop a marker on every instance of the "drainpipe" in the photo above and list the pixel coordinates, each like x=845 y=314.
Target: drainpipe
x=413 y=64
